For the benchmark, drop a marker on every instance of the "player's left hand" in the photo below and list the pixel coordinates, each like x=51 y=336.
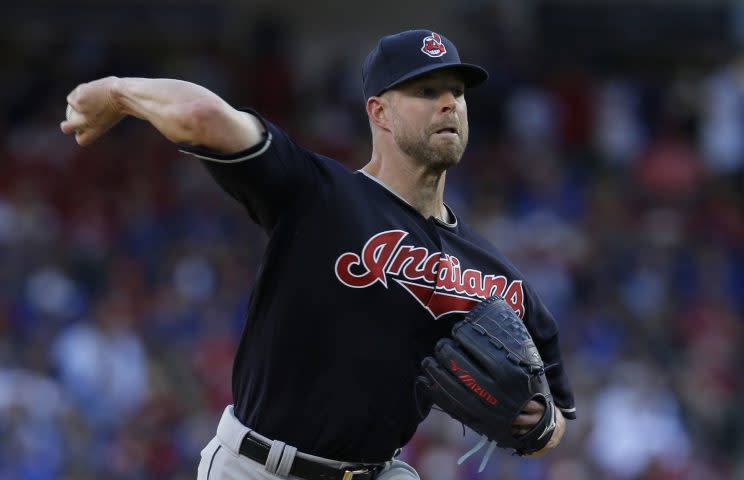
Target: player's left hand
x=531 y=414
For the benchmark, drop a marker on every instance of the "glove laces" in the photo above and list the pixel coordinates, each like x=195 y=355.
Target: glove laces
x=481 y=443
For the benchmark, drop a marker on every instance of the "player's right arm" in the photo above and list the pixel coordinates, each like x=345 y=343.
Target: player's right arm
x=185 y=113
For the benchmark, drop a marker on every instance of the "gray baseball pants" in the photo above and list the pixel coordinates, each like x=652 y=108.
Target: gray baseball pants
x=221 y=460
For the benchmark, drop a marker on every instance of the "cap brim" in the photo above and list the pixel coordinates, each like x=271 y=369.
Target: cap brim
x=473 y=75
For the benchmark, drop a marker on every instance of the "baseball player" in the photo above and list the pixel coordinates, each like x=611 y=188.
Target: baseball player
x=363 y=272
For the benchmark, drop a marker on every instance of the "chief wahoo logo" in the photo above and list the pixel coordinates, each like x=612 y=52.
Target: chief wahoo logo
x=433 y=45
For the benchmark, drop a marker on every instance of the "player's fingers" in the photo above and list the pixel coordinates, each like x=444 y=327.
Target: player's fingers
x=519 y=431
x=67 y=127
x=74 y=121
x=524 y=423
x=531 y=414
x=86 y=137
x=530 y=419
x=83 y=138
x=72 y=97
x=75 y=98
x=533 y=407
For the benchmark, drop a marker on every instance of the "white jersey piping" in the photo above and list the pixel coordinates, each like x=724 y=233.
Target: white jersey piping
x=266 y=145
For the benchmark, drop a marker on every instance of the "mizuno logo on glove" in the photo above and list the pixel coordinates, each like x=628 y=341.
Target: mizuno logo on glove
x=472 y=384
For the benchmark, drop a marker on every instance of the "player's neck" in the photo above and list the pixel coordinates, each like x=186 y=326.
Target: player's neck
x=422 y=188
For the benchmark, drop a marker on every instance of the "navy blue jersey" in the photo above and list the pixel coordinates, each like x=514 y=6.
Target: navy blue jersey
x=354 y=290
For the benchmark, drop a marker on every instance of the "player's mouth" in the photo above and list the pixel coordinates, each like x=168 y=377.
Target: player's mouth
x=447 y=131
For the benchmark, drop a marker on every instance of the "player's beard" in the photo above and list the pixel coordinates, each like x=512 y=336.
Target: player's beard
x=436 y=153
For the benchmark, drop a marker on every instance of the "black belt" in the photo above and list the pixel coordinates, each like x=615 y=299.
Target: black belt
x=307 y=469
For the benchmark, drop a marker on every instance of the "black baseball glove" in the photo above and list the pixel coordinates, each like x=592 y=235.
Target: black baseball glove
x=486 y=374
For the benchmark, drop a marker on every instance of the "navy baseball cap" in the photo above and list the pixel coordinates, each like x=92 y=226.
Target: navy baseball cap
x=406 y=55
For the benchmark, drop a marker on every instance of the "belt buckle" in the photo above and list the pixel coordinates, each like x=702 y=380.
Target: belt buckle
x=349 y=474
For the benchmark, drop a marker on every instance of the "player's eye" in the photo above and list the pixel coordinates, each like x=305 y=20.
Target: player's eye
x=428 y=92
x=458 y=92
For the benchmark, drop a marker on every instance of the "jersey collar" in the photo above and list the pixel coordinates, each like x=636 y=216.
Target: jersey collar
x=450 y=213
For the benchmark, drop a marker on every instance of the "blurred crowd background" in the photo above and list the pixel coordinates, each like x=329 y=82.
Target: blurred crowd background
x=606 y=160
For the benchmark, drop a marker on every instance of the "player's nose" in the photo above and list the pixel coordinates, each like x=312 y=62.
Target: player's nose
x=447 y=101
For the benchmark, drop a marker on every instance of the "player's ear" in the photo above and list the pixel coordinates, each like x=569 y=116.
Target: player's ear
x=378 y=112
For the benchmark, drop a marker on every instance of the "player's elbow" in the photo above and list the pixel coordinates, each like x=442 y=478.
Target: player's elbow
x=211 y=123
x=200 y=120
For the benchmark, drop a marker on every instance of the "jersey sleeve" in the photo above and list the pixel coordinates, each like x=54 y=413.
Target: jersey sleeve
x=544 y=331
x=266 y=178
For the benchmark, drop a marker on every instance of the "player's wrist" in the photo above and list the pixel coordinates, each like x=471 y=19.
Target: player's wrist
x=115 y=95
